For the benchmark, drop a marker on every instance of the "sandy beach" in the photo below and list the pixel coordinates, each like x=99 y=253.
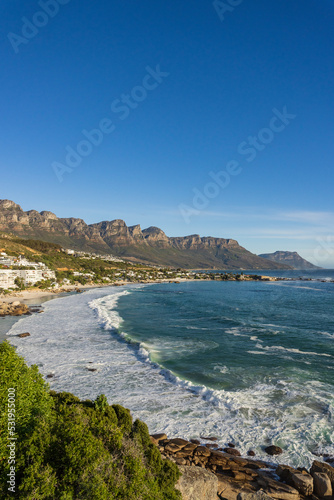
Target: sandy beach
x=29 y=296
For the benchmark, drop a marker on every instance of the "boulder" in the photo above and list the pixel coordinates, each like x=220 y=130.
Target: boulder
x=23 y=335
x=15 y=309
x=159 y=437
x=202 y=451
x=229 y=489
x=197 y=484
x=273 y=450
x=284 y=471
x=179 y=442
x=217 y=458
x=278 y=490
x=190 y=447
x=172 y=447
x=195 y=441
x=302 y=482
x=298 y=478
x=322 y=485
x=325 y=468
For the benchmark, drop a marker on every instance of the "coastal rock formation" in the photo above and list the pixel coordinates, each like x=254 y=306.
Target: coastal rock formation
x=292 y=259
x=322 y=485
x=149 y=245
x=197 y=484
x=13 y=309
x=240 y=478
x=323 y=468
x=273 y=450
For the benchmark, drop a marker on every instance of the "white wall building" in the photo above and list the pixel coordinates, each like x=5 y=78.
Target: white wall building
x=29 y=276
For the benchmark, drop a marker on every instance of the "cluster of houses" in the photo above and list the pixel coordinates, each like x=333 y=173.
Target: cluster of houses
x=29 y=272
x=88 y=255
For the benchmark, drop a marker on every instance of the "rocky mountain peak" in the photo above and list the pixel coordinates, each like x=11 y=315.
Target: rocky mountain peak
x=8 y=204
x=49 y=215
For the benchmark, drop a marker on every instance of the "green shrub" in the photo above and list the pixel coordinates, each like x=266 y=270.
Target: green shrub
x=124 y=418
x=69 y=449
x=140 y=433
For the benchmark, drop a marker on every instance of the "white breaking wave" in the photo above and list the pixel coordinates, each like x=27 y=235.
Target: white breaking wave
x=291 y=349
x=80 y=333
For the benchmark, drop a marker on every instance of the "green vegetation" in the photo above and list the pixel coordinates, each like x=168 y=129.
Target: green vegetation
x=19 y=283
x=70 y=449
x=40 y=246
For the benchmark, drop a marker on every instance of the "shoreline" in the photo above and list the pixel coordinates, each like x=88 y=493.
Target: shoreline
x=26 y=296
x=44 y=295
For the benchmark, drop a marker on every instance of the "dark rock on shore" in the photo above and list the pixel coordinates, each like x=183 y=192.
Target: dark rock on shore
x=273 y=450
x=195 y=441
x=210 y=438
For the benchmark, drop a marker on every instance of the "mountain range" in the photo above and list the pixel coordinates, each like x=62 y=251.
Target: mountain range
x=150 y=246
x=292 y=259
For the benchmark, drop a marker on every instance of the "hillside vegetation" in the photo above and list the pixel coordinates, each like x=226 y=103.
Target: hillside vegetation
x=68 y=449
x=52 y=255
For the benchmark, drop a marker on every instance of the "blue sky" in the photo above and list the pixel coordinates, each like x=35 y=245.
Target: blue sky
x=183 y=94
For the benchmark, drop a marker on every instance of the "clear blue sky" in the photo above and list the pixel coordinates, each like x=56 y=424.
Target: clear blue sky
x=223 y=72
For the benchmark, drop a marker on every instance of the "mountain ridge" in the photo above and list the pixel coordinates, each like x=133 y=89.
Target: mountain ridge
x=150 y=245
x=292 y=259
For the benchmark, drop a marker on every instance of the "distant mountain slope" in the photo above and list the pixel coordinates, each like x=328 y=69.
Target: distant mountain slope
x=292 y=259
x=150 y=245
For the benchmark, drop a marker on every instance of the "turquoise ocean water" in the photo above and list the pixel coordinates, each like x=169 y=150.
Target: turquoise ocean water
x=248 y=362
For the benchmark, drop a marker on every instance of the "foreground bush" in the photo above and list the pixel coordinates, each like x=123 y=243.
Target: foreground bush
x=69 y=449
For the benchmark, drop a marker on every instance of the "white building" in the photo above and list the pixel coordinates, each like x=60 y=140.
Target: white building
x=29 y=276
x=7 y=261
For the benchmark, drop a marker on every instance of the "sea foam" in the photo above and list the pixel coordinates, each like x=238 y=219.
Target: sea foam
x=83 y=332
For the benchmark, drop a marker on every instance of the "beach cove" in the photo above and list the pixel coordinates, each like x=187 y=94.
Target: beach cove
x=100 y=353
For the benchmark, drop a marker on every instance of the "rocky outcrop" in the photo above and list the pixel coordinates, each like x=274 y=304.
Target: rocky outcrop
x=149 y=245
x=323 y=476
x=240 y=478
x=292 y=259
x=197 y=484
x=13 y=309
x=322 y=485
x=273 y=450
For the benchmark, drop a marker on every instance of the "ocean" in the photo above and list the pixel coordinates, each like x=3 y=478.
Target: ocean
x=248 y=362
